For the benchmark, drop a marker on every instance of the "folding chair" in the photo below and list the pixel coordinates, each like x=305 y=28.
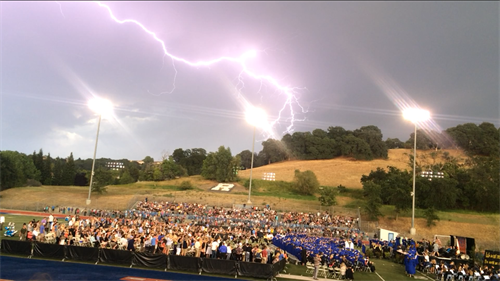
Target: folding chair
x=322 y=271
x=358 y=266
x=309 y=268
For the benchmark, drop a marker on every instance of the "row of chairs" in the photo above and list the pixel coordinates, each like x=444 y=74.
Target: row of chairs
x=334 y=273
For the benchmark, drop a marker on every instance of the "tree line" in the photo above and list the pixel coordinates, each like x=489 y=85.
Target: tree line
x=480 y=142
x=473 y=185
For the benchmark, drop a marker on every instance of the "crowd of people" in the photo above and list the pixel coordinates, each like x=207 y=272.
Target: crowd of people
x=443 y=261
x=181 y=229
x=246 y=234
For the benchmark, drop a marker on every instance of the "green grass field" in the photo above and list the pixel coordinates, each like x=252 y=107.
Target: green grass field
x=385 y=270
x=18 y=220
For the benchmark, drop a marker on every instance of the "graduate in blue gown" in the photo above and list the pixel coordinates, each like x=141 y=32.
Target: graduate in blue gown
x=411 y=261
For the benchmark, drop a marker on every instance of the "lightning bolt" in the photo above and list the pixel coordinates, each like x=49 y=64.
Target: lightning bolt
x=291 y=100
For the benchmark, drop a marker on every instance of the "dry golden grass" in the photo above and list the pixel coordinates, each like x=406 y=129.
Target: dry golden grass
x=346 y=172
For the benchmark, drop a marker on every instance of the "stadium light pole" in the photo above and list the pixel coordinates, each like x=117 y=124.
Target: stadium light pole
x=415 y=115
x=101 y=107
x=255 y=117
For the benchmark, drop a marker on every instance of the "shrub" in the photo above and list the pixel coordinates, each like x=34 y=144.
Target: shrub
x=342 y=189
x=431 y=216
x=305 y=183
x=32 y=182
x=328 y=196
x=186 y=185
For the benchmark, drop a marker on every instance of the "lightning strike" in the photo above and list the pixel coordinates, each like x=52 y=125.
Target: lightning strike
x=291 y=99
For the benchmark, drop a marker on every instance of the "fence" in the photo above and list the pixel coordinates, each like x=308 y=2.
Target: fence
x=142 y=259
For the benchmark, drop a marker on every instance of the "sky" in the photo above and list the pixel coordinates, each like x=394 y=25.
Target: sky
x=307 y=65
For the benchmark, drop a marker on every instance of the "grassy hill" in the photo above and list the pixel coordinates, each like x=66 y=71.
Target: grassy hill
x=345 y=171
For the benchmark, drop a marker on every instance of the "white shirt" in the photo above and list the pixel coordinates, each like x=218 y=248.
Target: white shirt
x=215 y=244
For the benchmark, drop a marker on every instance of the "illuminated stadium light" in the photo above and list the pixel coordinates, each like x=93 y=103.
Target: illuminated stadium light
x=256 y=117
x=104 y=108
x=415 y=115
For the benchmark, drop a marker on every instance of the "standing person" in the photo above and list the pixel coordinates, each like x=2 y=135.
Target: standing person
x=317 y=261
x=23 y=233
x=215 y=245
x=208 y=251
x=51 y=221
x=303 y=255
x=264 y=254
x=223 y=251
x=197 y=247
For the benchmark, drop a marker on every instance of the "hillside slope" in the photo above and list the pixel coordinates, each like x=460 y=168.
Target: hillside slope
x=347 y=172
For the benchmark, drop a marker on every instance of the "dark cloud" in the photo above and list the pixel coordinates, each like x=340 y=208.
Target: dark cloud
x=55 y=55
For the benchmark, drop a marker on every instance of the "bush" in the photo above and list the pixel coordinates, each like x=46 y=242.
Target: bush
x=32 y=182
x=186 y=185
x=342 y=189
x=431 y=216
x=328 y=196
x=305 y=183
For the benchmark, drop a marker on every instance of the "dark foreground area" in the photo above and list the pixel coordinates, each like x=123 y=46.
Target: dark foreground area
x=14 y=268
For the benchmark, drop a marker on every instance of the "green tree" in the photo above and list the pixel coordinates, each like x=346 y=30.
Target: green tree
x=179 y=156
x=482 y=140
x=38 y=162
x=372 y=135
x=171 y=169
x=484 y=182
x=394 y=143
x=69 y=171
x=328 y=196
x=126 y=178
x=23 y=166
x=8 y=175
x=219 y=165
x=274 y=151
x=356 y=147
x=133 y=168
x=58 y=171
x=423 y=140
x=194 y=161
x=441 y=193
x=305 y=183
x=158 y=174
x=246 y=158
x=394 y=187
x=47 y=171
x=102 y=178
x=147 y=169
x=148 y=160
x=337 y=133
x=373 y=202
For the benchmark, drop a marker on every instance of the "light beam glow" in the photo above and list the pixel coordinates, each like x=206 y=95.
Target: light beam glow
x=416 y=115
x=102 y=107
x=291 y=103
x=256 y=116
